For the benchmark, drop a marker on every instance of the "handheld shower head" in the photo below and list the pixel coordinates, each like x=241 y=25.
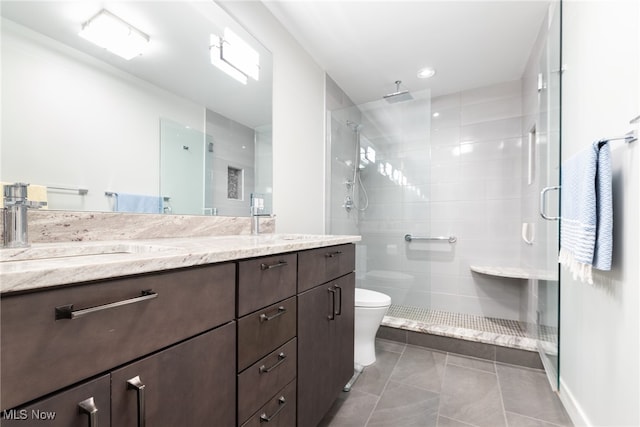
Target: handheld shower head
x=398 y=95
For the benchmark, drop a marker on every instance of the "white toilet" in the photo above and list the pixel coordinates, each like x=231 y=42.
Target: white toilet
x=371 y=306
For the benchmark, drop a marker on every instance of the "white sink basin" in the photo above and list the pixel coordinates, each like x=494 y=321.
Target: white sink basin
x=49 y=251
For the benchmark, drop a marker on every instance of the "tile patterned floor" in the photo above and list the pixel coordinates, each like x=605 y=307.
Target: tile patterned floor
x=477 y=323
x=412 y=386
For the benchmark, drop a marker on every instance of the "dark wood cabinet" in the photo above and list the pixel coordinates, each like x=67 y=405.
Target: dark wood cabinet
x=188 y=384
x=86 y=404
x=325 y=346
x=42 y=351
x=263 y=340
x=267 y=347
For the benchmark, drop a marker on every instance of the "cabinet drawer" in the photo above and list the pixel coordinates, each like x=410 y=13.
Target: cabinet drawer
x=264 y=281
x=317 y=266
x=280 y=411
x=63 y=409
x=265 y=330
x=264 y=378
x=40 y=353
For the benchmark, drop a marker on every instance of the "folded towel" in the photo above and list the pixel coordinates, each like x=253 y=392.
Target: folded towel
x=138 y=203
x=35 y=193
x=586 y=227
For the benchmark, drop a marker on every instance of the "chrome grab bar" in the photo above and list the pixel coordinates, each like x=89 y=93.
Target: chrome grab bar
x=450 y=239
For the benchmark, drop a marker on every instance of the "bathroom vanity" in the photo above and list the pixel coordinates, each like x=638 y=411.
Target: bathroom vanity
x=228 y=331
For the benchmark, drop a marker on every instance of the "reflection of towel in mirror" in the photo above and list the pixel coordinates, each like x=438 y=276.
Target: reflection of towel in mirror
x=586 y=230
x=138 y=203
x=35 y=193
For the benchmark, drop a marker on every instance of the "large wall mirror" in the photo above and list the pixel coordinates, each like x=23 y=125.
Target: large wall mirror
x=184 y=127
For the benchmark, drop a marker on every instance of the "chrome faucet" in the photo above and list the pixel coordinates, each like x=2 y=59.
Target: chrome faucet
x=15 y=232
x=257 y=207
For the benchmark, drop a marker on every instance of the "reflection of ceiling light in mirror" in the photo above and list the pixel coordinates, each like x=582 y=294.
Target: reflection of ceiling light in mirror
x=216 y=59
x=237 y=53
x=436 y=114
x=112 y=33
x=426 y=72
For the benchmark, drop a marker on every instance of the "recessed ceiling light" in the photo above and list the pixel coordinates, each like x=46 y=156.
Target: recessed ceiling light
x=426 y=72
x=436 y=114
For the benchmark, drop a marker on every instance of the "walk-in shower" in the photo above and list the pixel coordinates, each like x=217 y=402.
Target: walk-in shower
x=448 y=171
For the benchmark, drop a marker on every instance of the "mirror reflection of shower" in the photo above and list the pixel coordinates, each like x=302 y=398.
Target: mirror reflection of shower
x=359 y=201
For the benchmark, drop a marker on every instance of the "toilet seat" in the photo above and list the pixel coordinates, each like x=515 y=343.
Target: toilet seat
x=368 y=298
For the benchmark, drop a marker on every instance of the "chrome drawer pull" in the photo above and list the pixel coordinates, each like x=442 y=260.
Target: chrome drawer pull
x=332 y=316
x=339 y=312
x=89 y=407
x=333 y=254
x=264 y=418
x=136 y=384
x=281 y=359
x=281 y=311
x=264 y=266
x=66 y=311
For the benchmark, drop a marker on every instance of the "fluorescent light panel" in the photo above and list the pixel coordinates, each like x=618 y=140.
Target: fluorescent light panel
x=115 y=35
x=216 y=59
x=240 y=55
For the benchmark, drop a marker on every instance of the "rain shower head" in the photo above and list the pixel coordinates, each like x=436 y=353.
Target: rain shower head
x=398 y=95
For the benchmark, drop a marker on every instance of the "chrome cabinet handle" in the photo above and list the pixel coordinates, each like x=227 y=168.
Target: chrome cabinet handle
x=136 y=384
x=264 y=266
x=333 y=254
x=281 y=402
x=67 y=312
x=89 y=407
x=281 y=359
x=332 y=316
x=280 y=312
x=339 y=312
x=543 y=203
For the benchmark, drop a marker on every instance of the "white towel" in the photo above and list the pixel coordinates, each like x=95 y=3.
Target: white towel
x=586 y=228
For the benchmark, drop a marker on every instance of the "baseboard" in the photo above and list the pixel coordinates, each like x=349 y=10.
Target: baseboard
x=577 y=415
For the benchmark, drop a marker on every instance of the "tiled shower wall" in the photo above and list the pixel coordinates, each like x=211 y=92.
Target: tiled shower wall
x=471 y=188
x=476 y=141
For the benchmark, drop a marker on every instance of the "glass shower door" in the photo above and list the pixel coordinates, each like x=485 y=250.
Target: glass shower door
x=380 y=169
x=548 y=292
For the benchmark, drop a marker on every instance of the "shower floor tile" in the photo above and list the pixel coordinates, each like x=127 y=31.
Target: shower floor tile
x=488 y=330
x=458 y=320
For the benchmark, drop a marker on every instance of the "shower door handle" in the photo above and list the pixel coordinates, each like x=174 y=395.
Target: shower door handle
x=543 y=203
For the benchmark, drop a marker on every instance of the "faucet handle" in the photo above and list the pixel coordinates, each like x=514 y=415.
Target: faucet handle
x=35 y=205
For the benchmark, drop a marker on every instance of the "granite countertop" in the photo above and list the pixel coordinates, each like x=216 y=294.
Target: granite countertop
x=45 y=265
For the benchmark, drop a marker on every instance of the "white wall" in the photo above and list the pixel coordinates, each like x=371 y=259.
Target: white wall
x=61 y=106
x=298 y=122
x=600 y=357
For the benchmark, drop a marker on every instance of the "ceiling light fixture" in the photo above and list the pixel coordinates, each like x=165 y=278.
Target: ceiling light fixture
x=240 y=55
x=426 y=72
x=115 y=35
x=215 y=47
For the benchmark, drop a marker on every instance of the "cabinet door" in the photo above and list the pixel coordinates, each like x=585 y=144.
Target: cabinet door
x=315 y=332
x=85 y=405
x=325 y=346
x=342 y=368
x=190 y=384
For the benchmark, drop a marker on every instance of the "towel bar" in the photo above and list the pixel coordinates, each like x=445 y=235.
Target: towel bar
x=80 y=191
x=630 y=137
